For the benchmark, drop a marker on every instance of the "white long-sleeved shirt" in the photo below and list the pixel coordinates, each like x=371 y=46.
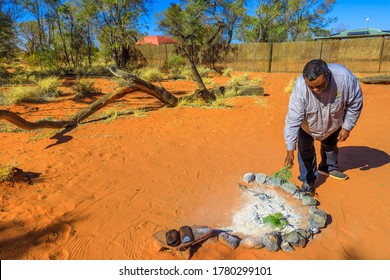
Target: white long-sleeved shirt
x=340 y=104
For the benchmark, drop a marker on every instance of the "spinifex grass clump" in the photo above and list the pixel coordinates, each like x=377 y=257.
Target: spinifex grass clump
x=277 y=220
x=6 y=172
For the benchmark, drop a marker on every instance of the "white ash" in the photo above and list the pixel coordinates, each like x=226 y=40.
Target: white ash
x=259 y=201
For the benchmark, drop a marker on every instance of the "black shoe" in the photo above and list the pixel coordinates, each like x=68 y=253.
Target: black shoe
x=308 y=188
x=334 y=174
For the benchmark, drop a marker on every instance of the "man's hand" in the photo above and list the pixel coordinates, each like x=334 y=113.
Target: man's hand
x=343 y=135
x=289 y=161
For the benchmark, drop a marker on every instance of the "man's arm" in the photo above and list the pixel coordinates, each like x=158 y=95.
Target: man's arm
x=354 y=105
x=294 y=118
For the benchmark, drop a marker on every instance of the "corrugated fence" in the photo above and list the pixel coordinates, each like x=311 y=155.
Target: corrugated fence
x=367 y=55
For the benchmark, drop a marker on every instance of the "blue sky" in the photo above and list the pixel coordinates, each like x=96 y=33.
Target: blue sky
x=351 y=14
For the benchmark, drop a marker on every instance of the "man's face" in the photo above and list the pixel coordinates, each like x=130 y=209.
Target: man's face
x=318 y=85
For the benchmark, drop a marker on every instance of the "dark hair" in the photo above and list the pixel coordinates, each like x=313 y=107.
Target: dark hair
x=315 y=68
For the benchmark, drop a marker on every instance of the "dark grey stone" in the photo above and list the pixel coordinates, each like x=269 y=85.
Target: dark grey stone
x=271 y=241
x=294 y=238
x=312 y=209
x=286 y=247
x=304 y=233
x=229 y=240
x=249 y=177
x=317 y=219
x=290 y=187
x=308 y=200
x=252 y=243
x=274 y=181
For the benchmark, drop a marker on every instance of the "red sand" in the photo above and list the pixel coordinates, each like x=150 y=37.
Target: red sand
x=105 y=188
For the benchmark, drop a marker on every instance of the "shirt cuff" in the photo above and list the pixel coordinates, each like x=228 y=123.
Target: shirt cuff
x=347 y=126
x=291 y=146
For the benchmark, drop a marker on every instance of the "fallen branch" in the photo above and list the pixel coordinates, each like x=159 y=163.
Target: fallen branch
x=135 y=84
x=97 y=105
x=159 y=92
x=22 y=123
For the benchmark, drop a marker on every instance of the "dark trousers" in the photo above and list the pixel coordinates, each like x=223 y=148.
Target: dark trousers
x=307 y=156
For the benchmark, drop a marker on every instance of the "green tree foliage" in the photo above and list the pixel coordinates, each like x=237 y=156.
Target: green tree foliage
x=286 y=20
x=70 y=34
x=210 y=25
x=203 y=22
x=118 y=22
x=7 y=37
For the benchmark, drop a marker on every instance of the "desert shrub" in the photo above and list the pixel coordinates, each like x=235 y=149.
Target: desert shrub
x=204 y=71
x=5 y=127
x=234 y=86
x=84 y=88
x=227 y=72
x=98 y=70
x=46 y=89
x=175 y=63
x=150 y=74
x=289 y=88
x=219 y=102
x=186 y=73
x=4 y=76
x=19 y=94
x=20 y=79
x=6 y=172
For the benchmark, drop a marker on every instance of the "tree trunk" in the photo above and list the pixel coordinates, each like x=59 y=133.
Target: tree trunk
x=203 y=92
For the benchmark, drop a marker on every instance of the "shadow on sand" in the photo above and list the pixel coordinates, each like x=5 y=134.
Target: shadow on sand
x=361 y=157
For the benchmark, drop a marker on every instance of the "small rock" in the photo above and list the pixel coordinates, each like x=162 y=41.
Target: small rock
x=317 y=219
x=308 y=200
x=304 y=233
x=290 y=187
x=229 y=240
x=274 y=181
x=249 y=177
x=312 y=209
x=261 y=178
x=271 y=241
x=263 y=196
x=286 y=247
x=298 y=195
x=252 y=243
x=294 y=238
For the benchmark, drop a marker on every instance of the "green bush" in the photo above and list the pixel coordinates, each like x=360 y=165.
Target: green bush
x=46 y=89
x=227 y=72
x=85 y=88
x=150 y=74
x=175 y=63
x=6 y=172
